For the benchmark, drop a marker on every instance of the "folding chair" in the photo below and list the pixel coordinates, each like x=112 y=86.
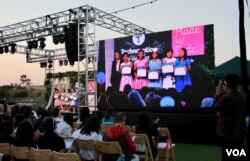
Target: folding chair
x=76 y=126
x=167 y=146
x=40 y=154
x=88 y=145
x=55 y=156
x=19 y=152
x=108 y=148
x=142 y=140
x=5 y=148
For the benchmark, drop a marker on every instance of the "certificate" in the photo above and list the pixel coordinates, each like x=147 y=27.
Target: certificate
x=141 y=72
x=75 y=98
x=62 y=98
x=180 y=71
x=153 y=75
x=55 y=96
x=126 y=69
x=167 y=68
x=71 y=97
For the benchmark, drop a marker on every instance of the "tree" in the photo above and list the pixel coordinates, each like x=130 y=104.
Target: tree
x=25 y=81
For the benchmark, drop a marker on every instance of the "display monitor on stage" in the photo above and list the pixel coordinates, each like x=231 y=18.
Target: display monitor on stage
x=164 y=70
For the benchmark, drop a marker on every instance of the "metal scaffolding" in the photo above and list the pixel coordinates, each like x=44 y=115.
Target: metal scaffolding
x=86 y=17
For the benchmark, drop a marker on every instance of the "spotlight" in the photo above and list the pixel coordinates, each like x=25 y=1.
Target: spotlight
x=65 y=62
x=12 y=48
x=35 y=44
x=6 y=48
x=1 y=50
x=60 y=63
x=42 y=43
x=71 y=64
x=50 y=64
x=30 y=44
x=62 y=38
x=56 y=39
x=43 y=64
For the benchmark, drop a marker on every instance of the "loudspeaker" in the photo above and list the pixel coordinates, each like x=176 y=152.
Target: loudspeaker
x=71 y=41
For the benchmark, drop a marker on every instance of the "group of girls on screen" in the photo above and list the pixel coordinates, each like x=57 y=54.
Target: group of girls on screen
x=66 y=100
x=167 y=73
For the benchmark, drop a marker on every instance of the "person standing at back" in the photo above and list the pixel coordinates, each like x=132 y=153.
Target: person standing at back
x=231 y=105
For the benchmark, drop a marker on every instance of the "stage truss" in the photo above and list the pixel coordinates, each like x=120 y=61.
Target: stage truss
x=87 y=17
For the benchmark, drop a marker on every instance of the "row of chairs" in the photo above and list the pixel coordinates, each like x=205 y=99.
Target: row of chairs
x=32 y=154
x=166 y=148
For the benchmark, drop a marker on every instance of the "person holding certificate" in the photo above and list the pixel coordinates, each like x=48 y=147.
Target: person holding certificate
x=126 y=69
x=154 y=79
x=168 y=65
x=57 y=98
x=140 y=68
x=182 y=68
x=115 y=72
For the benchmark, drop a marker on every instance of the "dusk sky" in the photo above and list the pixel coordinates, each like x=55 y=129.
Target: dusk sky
x=160 y=16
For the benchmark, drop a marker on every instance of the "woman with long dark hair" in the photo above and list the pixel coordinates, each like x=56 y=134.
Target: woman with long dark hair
x=183 y=66
x=115 y=71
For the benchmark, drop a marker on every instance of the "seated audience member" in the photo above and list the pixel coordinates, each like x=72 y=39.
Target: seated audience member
x=84 y=114
x=117 y=132
x=108 y=119
x=90 y=132
x=25 y=135
x=17 y=120
x=146 y=126
x=38 y=123
x=5 y=132
x=56 y=114
x=64 y=128
x=50 y=140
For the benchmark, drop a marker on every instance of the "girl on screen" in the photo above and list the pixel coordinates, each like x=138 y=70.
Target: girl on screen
x=115 y=72
x=168 y=65
x=182 y=68
x=140 y=68
x=154 y=79
x=125 y=69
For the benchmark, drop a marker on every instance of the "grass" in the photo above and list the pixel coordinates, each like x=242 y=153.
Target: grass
x=196 y=152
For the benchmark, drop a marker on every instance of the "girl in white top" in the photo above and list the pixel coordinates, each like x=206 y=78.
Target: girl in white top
x=90 y=132
x=168 y=74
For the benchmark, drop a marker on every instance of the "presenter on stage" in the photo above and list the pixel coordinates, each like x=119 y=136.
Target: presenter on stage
x=115 y=72
x=140 y=71
x=154 y=78
x=182 y=68
x=168 y=66
x=126 y=70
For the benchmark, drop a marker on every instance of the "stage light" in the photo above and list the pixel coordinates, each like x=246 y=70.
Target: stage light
x=42 y=43
x=35 y=44
x=43 y=64
x=6 y=48
x=65 y=62
x=1 y=50
x=60 y=63
x=71 y=64
x=56 y=39
x=62 y=39
x=30 y=44
x=50 y=64
x=12 y=48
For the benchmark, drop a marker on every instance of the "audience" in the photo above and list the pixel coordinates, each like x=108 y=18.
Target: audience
x=146 y=126
x=108 y=119
x=90 y=132
x=50 y=140
x=25 y=135
x=117 y=132
x=6 y=131
x=64 y=128
x=56 y=114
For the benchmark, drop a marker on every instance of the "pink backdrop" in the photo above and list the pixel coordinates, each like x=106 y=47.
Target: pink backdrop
x=191 y=38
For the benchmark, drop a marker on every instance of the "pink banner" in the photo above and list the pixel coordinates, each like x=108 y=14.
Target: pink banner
x=191 y=38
